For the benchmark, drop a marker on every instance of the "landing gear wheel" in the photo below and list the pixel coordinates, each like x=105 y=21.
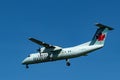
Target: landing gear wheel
x=27 y=66
x=68 y=64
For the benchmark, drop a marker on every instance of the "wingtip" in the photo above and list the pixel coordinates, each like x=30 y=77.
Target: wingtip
x=29 y=38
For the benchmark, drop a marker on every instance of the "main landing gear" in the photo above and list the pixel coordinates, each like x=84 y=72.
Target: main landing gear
x=67 y=62
x=27 y=66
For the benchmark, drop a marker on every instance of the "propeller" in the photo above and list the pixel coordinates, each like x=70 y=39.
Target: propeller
x=39 y=50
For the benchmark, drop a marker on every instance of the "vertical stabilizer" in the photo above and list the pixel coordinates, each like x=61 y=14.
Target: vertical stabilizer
x=100 y=35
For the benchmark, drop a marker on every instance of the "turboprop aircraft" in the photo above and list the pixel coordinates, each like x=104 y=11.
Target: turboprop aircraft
x=53 y=53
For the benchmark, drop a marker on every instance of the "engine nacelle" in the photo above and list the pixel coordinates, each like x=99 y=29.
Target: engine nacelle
x=44 y=50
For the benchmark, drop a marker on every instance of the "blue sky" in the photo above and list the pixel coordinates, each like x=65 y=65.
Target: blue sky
x=59 y=22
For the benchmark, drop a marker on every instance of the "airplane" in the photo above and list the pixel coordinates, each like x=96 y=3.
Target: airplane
x=50 y=53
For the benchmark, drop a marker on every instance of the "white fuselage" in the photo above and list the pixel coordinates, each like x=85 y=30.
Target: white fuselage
x=65 y=53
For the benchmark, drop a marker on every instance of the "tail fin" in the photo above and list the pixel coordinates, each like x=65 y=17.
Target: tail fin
x=100 y=35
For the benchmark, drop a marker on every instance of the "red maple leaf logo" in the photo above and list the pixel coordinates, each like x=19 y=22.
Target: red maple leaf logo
x=100 y=37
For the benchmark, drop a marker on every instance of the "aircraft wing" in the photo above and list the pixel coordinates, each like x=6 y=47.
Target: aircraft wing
x=41 y=43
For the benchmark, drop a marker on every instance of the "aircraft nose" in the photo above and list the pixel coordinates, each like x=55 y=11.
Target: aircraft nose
x=25 y=61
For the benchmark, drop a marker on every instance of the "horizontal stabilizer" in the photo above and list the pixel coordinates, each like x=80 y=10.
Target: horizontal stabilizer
x=104 y=26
